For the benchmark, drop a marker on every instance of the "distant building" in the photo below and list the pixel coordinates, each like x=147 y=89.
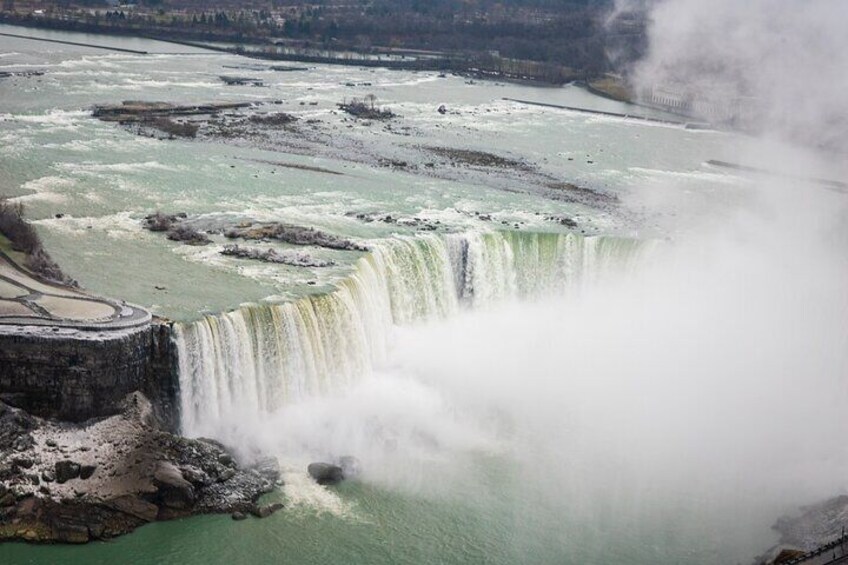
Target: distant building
x=702 y=105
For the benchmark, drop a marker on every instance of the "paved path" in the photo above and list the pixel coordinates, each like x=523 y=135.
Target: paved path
x=26 y=300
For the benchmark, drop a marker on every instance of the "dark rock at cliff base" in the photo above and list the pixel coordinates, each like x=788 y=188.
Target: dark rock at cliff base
x=15 y=428
x=66 y=470
x=142 y=474
x=173 y=490
x=238 y=516
x=70 y=532
x=326 y=473
x=134 y=506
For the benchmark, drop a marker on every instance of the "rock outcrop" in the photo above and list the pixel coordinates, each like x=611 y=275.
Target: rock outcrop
x=295 y=235
x=73 y=483
x=292 y=258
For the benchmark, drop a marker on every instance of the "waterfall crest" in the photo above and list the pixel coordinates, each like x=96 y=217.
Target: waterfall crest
x=260 y=357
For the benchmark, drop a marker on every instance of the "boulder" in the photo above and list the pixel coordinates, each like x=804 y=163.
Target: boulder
x=172 y=489
x=238 y=516
x=265 y=511
x=66 y=470
x=22 y=462
x=195 y=475
x=325 y=473
x=86 y=471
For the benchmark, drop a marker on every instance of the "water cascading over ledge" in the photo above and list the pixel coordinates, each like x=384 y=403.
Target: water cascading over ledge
x=260 y=357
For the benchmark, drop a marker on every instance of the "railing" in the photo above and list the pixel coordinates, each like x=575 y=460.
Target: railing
x=821 y=550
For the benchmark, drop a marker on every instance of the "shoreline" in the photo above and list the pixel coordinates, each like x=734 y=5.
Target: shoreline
x=75 y=43
x=449 y=63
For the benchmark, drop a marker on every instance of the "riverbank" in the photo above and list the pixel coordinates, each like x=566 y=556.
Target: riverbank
x=482 y=66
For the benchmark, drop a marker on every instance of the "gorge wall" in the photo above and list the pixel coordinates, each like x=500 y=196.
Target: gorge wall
x=74 y=375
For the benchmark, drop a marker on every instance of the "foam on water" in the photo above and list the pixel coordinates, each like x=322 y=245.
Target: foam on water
x=94 y=167
x=304 y=494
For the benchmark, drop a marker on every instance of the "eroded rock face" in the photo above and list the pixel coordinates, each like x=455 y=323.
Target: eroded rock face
x=75 y=375
x=173 y=491
x=106 y=477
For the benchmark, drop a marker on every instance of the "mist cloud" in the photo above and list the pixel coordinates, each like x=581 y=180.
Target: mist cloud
x=780 y=65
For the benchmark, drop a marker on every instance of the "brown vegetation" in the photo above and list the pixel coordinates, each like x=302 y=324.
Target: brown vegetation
x=366 y=110
x=25 y=239
x=175 y=229
x=479 y=158
x=273 y=119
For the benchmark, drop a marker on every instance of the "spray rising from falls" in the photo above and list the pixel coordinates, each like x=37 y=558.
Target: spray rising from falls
x=261 y=357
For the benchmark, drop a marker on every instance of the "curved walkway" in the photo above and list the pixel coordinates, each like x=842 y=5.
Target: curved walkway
x=26 y=300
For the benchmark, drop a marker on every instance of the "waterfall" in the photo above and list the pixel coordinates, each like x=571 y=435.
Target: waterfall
x=259 y=357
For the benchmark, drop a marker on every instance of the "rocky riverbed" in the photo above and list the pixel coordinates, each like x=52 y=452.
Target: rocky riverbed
x=260 y=125
x=74 y=483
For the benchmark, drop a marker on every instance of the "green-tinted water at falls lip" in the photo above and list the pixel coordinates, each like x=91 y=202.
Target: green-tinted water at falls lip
x=478 y=507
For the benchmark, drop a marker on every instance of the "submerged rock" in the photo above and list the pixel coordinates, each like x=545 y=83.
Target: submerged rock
x=266 y=510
